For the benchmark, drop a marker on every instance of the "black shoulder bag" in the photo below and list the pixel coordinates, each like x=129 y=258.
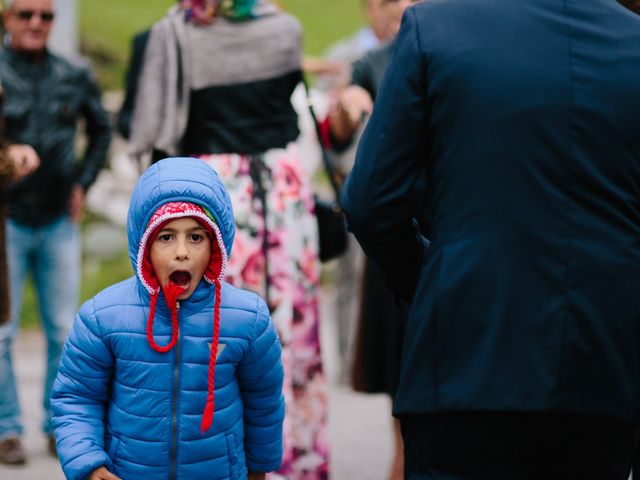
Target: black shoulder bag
x=332 y=228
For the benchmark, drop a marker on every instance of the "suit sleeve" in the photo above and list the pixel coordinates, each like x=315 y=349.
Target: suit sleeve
x=379 y=199
x=80 y=396
x=260 y=375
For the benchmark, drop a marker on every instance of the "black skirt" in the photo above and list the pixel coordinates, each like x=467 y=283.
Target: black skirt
x=379 y=336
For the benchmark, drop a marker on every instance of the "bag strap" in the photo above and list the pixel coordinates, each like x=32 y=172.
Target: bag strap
x=326 y=160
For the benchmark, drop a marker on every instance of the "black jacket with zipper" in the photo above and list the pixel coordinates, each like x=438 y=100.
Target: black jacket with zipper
x=44 y=97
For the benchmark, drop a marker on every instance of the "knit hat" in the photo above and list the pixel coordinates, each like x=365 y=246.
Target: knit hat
x=171 y=291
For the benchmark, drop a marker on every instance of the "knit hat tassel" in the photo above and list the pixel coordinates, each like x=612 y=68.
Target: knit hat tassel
x=171 y=292
x=207 y=416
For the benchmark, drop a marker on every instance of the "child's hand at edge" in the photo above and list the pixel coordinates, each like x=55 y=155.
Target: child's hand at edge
x=103 y=474
x=256 y=476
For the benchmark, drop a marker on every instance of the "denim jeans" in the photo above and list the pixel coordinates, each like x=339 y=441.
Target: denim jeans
x=51 y=253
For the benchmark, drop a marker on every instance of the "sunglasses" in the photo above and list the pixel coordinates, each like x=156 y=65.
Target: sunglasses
x=26 y=15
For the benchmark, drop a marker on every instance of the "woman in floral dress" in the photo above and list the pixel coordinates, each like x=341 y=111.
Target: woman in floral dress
x=225 y=72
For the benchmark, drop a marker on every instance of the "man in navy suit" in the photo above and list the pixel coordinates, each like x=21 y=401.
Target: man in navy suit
x=520 y=358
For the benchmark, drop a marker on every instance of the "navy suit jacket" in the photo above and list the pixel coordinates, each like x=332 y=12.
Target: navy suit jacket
x=524 y=118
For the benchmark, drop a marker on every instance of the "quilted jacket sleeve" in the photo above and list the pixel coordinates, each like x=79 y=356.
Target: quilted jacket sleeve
x=79 y=398
x=260 y=375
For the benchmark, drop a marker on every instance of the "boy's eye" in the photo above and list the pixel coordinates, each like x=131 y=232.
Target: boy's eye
x=196 y=237
x=165 y=237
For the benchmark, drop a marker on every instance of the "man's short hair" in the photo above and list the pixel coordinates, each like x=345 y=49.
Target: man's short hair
x=6 y=4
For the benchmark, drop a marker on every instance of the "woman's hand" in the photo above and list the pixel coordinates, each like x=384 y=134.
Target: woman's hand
x=25 y=160
x=102 y=474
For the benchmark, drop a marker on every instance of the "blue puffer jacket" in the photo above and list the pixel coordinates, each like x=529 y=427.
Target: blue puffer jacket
x=120 y=404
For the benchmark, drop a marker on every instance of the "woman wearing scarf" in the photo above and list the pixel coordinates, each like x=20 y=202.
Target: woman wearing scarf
x=216 y=83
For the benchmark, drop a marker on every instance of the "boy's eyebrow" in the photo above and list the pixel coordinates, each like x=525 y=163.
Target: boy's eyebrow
x=173 y=230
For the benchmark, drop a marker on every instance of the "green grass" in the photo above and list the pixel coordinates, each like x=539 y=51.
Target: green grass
x=106 y=28
x=325 y=21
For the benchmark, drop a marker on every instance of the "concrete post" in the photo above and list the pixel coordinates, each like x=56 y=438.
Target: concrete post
x=64 y=36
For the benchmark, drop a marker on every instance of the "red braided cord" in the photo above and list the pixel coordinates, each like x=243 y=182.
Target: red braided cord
x=207 y=416
x=171 y=294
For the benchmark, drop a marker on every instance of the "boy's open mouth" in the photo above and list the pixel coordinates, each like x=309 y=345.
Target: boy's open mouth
x=180 y=277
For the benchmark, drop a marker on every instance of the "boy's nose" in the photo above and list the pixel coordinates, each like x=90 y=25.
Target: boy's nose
x=182 y=249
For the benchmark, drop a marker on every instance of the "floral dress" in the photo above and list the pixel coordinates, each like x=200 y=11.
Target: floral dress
x=275 y=253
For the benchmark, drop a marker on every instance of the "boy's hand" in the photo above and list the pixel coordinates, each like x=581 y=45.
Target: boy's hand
x=256 y=476
x=102 y=474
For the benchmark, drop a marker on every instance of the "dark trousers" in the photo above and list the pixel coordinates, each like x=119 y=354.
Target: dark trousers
x=516 y=446
x=636 y=456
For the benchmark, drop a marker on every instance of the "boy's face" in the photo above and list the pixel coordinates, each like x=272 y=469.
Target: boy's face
x=180 y=254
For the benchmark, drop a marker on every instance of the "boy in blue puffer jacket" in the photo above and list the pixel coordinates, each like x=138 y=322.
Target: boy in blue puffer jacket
x=147 y=357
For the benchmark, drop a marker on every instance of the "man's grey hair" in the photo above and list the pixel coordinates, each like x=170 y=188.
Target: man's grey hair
x=6 y=4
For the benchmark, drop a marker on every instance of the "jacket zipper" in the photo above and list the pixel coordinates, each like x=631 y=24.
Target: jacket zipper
x=36 y=96
x=174 y=402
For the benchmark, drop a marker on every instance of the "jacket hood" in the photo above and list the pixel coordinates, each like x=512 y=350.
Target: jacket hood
x=177 y=180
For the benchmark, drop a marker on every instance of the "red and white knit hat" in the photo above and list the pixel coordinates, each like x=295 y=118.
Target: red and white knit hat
x=213 y=274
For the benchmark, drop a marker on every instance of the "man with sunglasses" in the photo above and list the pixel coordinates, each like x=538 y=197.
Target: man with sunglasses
x=44 y=98
x=521 y=357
